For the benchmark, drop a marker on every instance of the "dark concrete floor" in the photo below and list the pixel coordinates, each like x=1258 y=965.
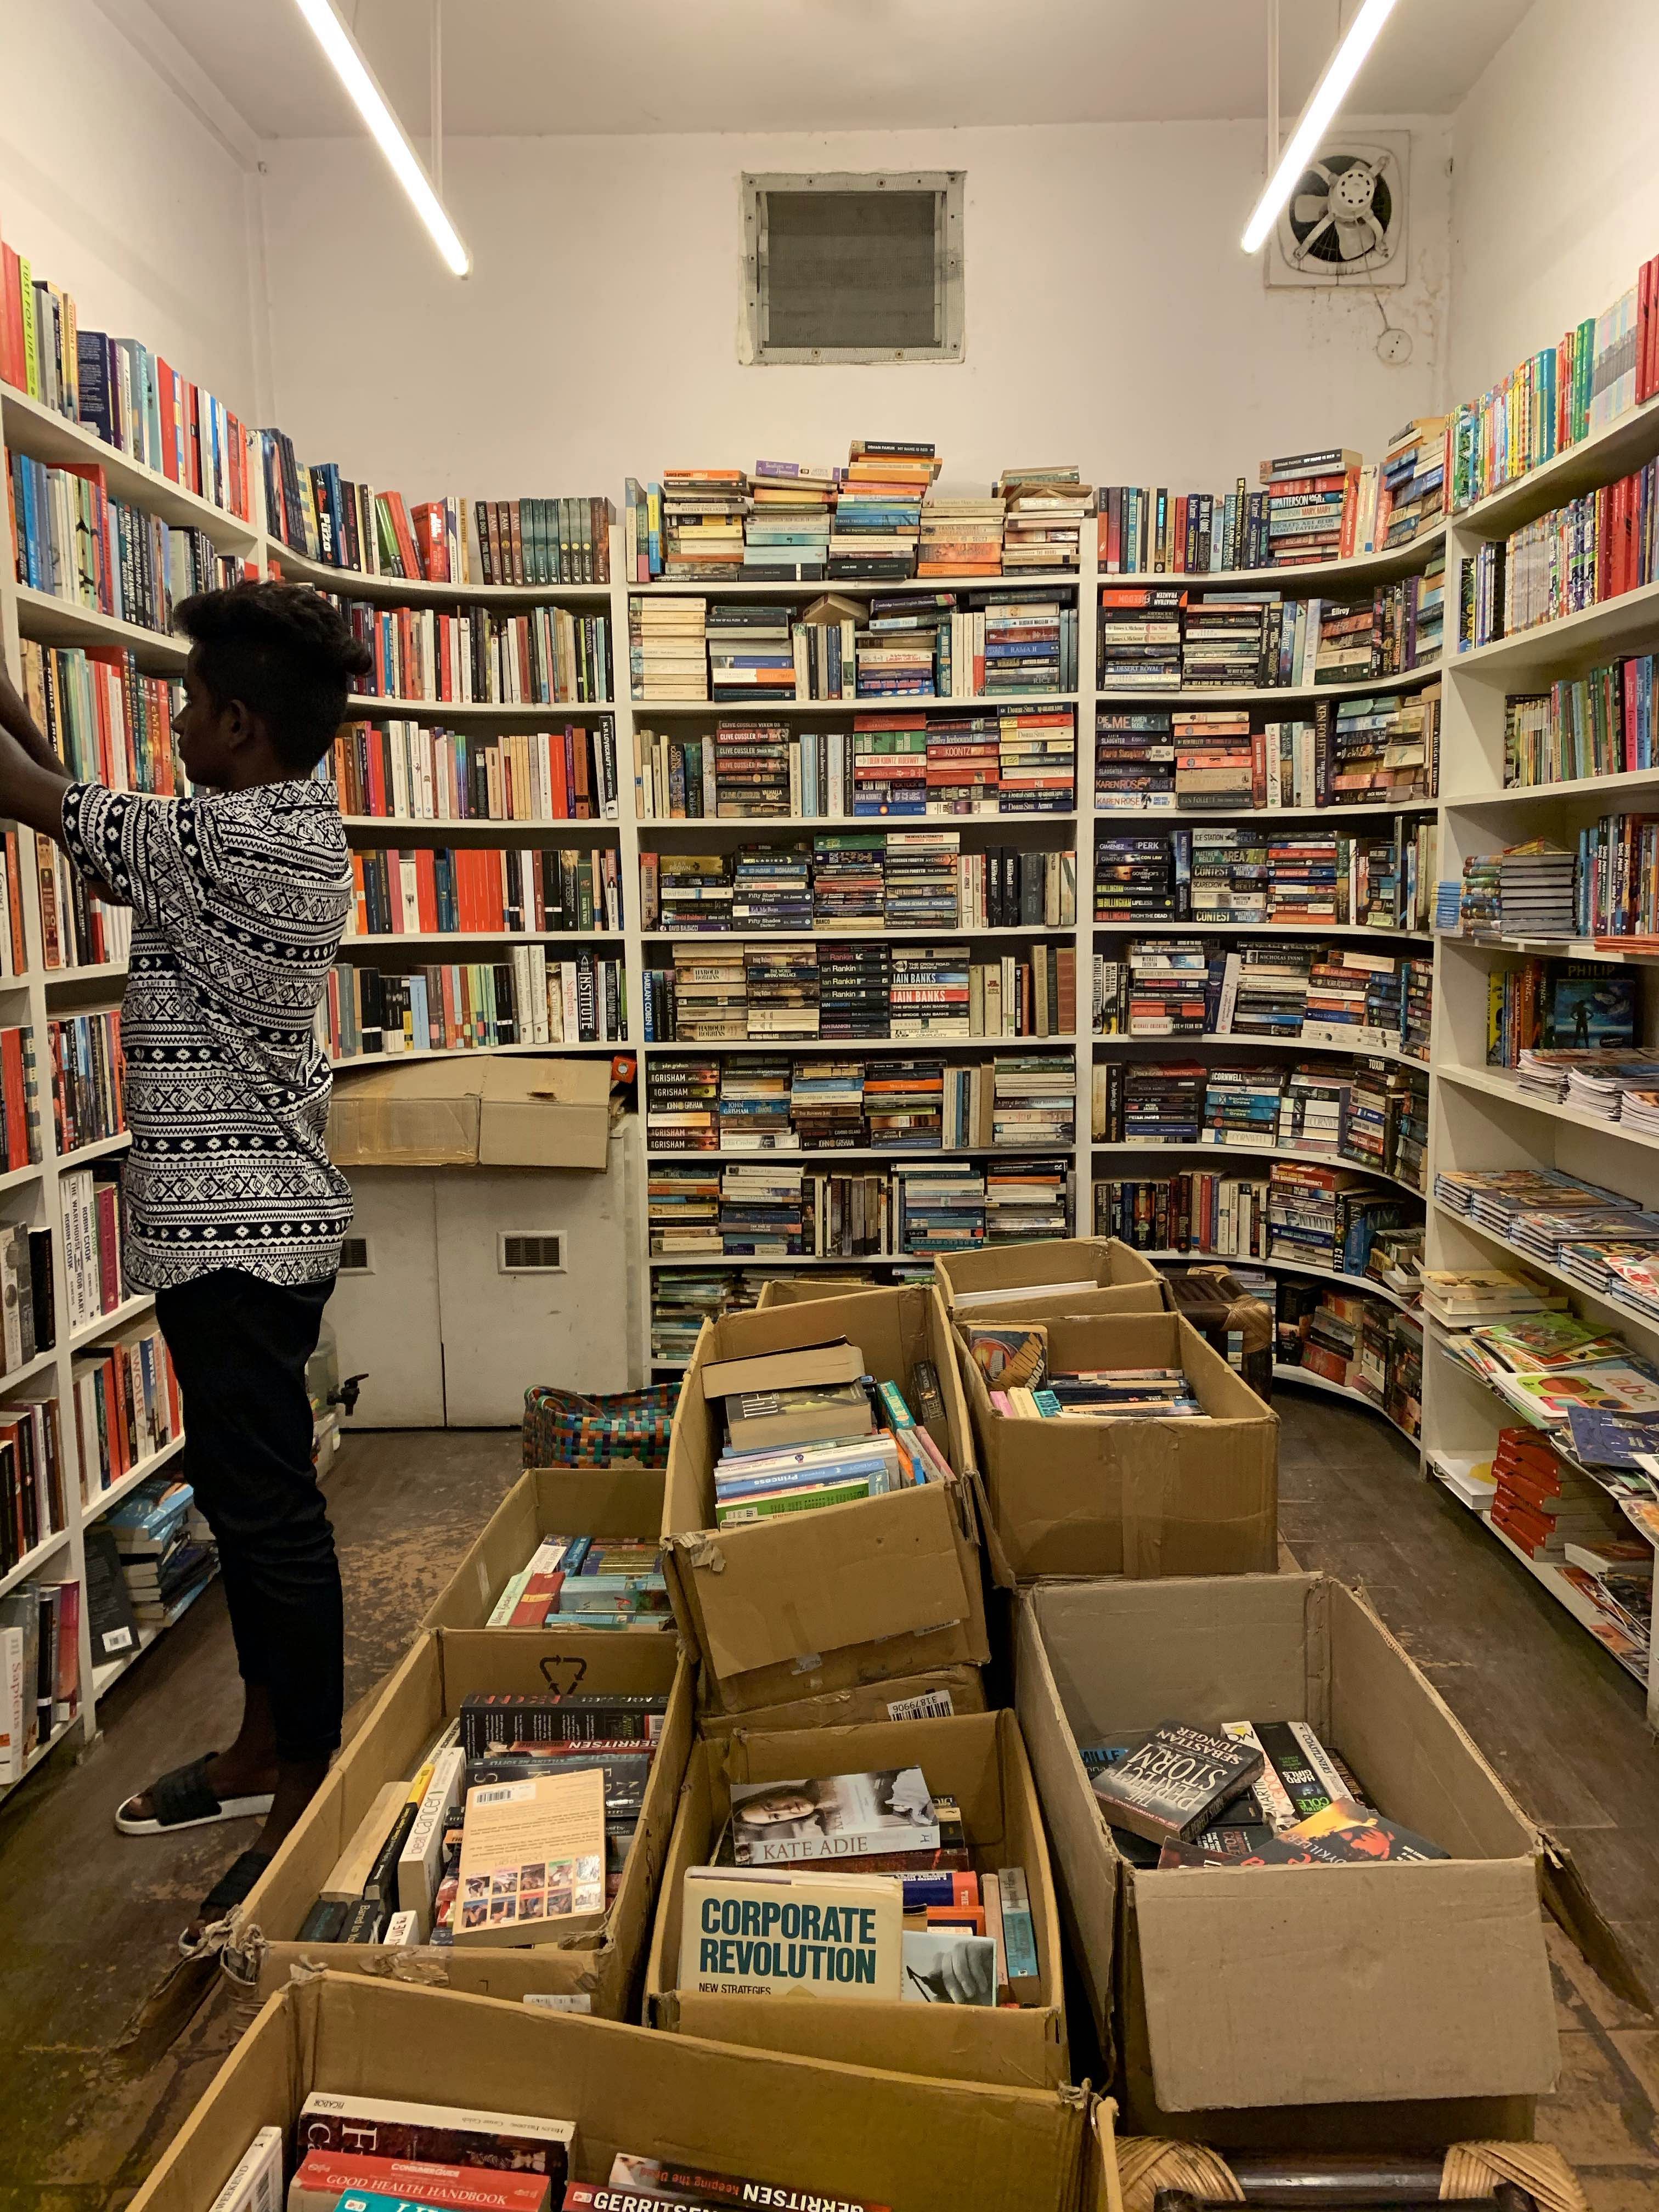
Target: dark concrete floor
x=83 y=2122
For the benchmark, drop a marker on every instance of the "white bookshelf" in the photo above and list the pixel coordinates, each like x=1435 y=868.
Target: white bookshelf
x=1478 y=1116
x=31 y=1195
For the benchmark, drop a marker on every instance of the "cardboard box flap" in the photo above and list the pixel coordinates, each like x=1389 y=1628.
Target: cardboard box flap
x=560 y=1082
x=810 y=1583
x=921 y=2145
x=1164 y=1654
x=1440 y=1989
x=1096 y=1262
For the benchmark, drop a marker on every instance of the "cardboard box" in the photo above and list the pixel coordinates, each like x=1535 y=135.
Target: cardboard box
x=1105 y=1263
x=796 y=1289
x=844 y=2130
x=823 y=1600
x=941 y=1695
x=548 y=1501
x=979 y=1760
x=1131 y=1497
x=521 y=1112
x=424 y=1691
x=1399 y=2006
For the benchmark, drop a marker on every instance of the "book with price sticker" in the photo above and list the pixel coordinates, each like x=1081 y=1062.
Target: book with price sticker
x=532 y=1860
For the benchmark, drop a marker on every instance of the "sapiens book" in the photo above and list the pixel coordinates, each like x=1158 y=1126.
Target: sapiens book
x=532 y=1859
x=1175 y=1782
x=326 y=2179
x=766 y=1931
x=832 y=1816
x=381 y=2127
x=694 y=2184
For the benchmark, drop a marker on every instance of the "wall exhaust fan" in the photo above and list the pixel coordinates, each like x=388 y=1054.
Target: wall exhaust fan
x=1345 y=221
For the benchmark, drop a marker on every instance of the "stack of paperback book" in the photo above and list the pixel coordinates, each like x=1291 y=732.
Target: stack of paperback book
x=167 y=1550
x=791 y=511
x=1138 y=638
x=585 y=1582
x=1241 y=1793
x=702 y=515
x=750 y=657
x=960 y=536
x=878 y=525
x=668 y=653
x=1045 y=507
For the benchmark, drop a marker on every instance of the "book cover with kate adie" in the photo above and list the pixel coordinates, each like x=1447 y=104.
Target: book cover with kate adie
x=832 y=1816
x=775 y=1931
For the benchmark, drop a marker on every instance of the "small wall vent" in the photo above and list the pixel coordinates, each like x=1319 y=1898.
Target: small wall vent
x=354 y=1257
x=531 y=1252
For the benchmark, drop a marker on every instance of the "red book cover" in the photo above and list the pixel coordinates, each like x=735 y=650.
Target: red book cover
x=193 y=411
x=17 y=1112
x=361 y=894
x=323 y=2176
x=1350 y=515
x=66 y=1681
x=494 y=886
x=1178 y=535
x=426 y=888
x=540 y=1598
x=167 y=397
x=432 y=541
x=14 y=357
x=1644 y=333
x=377 y=780
x=20 y=959
x=106 y=1207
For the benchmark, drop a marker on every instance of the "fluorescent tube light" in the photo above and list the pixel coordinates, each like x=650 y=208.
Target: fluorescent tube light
x=371 y=103
x=1328 y=94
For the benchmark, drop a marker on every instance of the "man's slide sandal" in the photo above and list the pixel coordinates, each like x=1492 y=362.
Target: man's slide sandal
x=185 y=1799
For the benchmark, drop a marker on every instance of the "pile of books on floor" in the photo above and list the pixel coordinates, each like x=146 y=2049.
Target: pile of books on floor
x=449 y=1856
x=585 y=1582
x=811 y=1428
x=1267 y=1793
x=885 y=1845
x=1044 y=511
x=167 y=1550
x=667 y=648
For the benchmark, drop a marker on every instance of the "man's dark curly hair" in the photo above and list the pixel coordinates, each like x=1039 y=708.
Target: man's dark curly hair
x=285 y=653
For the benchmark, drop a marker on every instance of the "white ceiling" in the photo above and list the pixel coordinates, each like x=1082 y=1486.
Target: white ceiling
x=558 y=67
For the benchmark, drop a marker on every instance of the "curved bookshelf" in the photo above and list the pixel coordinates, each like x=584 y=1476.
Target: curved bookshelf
x=1237 y=1156
x=369 y=705
x=419 y=590
x=1366 y=1285
x=769 y=710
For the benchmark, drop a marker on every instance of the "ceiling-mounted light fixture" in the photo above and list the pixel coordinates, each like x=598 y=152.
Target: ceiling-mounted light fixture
x=388 y=134
x=1327 y=96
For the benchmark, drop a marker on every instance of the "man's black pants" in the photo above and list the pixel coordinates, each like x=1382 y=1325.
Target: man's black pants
x=240 y=1346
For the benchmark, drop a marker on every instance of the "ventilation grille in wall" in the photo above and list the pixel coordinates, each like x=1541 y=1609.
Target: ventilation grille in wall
x=531 y=1252
x=354 y=1257
x=1345 y=223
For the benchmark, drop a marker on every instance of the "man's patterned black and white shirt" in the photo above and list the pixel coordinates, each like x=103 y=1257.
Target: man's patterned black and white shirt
x=239 y=902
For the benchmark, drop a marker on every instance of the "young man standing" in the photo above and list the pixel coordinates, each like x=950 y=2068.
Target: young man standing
x=233 y=1213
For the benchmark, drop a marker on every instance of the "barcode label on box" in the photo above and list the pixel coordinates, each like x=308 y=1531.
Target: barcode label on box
x=931 y=1705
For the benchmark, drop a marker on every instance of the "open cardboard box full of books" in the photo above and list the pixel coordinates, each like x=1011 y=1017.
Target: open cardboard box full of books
x=968 y=1281
x=813 y=1602
x=809 y=2131
x=1401 y=2004
x=1126 y=1496
x=598 y=1967
x=618 y=1503
x=979 y=1761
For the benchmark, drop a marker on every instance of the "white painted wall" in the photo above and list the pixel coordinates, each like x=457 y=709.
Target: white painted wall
x=113 y=189
x=1555 y=194
x=1111 y=318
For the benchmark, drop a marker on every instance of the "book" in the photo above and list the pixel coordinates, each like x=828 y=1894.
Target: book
x=1010 y=1357
x=832 y=1817
x=949 y=1967
x=379 y=2127
x=798 y=1369
x=255 y=2184
x=532 y=1859
x=759 y=1420
x=1175 y=1782
x=323 y=2178
x=700 y=2185
x=772 y=1932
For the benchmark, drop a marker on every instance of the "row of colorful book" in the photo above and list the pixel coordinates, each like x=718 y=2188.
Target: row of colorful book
x=1372 y=1115
x=1605 y=722
x=862 y=882
x=528 y=999
x=768 y=1209
x=1279 y=989
x=1015 y=760
x=1593 y=549
x=796 y=990
x=1325 y=505
x=877 y=519
x=1025 y=1103
x=421 y=772
x=1606 y=887
x=1350 y=752
x=546 y=656
x=1290 y=874
x=1161 y=637
x=477 y=890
